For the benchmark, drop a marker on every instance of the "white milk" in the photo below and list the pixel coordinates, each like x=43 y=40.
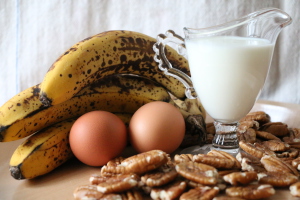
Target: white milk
x=228 y=73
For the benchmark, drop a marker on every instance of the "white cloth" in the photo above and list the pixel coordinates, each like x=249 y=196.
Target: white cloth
x=35 y=33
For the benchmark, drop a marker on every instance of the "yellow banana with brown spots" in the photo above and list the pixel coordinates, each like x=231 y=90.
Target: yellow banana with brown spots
x=42 y=152
x=118 y=93
x=107 y=53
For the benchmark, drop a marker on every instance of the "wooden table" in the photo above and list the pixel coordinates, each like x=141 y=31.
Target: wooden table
x=61 y=183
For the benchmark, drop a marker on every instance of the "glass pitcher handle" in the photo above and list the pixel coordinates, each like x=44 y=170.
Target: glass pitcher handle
x=164 y=64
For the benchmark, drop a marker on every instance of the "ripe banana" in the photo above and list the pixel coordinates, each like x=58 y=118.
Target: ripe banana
x=42 y=152
x=46 y=150
x=19 y=106
x=114 y=94
x=107 y=53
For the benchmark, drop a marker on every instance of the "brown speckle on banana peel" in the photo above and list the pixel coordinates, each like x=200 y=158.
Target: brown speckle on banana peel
x=113 y=52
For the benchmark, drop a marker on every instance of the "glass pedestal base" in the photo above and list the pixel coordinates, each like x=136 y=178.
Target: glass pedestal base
x=225 y=139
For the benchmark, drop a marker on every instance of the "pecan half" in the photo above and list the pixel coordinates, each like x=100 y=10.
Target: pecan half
x=291 y=153
x=251 y=149
x=200 y=193
x=250 y=166
x=274 y=164
x=159 y=177
x=131 y=195
x=276 y=145
x=87 y=192
x=118 y=183
x=170 y=191
x=295 y=189
x=225 y=172
x=215 y=161
x=266 y=135
x=242 y=155
x=276 y=128
x=237 y=178
x=95 y=179
x=278 y=179
x=258 y=191
x=295 y=145
x=244 y=125
x=227 y=198
x=145 y=162
x=296 y=163
x=178 y=158
x=138 y=164
x=224 y=154
x=200 y=173
x=295 y=134
x=248 y=136
x=260 y=116
x=265 y=149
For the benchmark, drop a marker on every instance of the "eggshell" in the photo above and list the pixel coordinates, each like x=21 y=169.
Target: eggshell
x=157 y=125
x=97 y=137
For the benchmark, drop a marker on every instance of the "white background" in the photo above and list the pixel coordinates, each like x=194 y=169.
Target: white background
x=35 y=33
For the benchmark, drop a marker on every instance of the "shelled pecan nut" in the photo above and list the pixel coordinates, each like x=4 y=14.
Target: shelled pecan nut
x=295 y=189
x=260 y=116
x=265 y=149
x=178 y=158
x=169 y=191
x=278 y=179
x=200 y=173
x=249 y=166
x=274 y=164
x=118 y=183
x=276 y=128
x=215 y=161
x=276 y=145
x=291 y=153
x=224 y=154
x=95 y=179
x=266 y=135
x=159 y=177
x=227 y=198
x=237 y=178
x=145 y=162
x=296 y=163
x=251 y=149
x=87 y=192
x=257 y=191
x=248 y=136
x=245 y=125
x=200 y=193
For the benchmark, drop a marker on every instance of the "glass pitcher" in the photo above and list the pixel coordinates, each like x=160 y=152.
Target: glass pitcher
x=229 y=64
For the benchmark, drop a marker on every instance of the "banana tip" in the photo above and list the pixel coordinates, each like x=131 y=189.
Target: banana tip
x=16 y=172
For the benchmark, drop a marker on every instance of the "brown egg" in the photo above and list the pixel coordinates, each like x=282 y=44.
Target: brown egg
x=97 y=137
x=157 y=125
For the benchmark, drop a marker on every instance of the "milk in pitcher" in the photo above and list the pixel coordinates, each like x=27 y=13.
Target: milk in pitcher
x=228 y=73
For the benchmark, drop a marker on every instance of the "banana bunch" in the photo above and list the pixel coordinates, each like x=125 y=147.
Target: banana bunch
x=112 y=71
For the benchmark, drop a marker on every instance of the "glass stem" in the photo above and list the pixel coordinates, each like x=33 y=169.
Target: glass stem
x=225 y=137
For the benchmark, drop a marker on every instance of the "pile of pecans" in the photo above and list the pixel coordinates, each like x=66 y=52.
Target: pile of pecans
x=269 y=159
